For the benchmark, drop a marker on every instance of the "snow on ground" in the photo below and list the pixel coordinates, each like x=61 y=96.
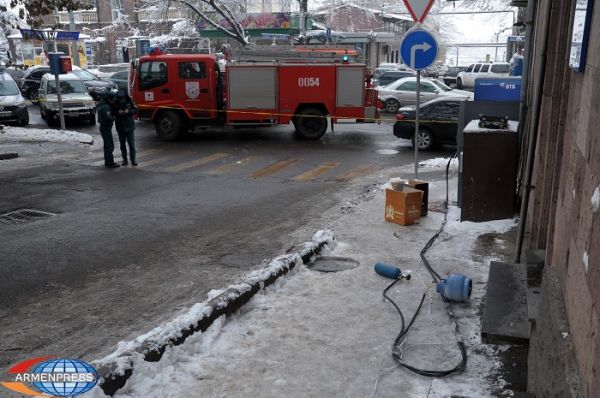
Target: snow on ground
x=315 y=334
x=439 y=163
x=44 y=135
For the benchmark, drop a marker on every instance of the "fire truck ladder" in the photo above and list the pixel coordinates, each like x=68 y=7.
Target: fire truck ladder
x=299 y=53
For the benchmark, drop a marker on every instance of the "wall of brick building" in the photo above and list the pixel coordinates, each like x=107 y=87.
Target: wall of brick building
x=566 y=173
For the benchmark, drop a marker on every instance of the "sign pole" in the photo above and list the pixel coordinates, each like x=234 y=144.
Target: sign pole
x=417 y=111
x=60 y=104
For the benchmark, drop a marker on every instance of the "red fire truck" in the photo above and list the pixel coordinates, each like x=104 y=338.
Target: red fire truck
x=178 y=92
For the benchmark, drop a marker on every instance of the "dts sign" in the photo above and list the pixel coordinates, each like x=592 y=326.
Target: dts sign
x=59 y=63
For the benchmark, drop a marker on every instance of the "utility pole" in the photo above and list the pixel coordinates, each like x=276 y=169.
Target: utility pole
x=75 y=50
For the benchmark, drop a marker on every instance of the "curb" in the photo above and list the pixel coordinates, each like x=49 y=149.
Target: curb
x=115 y=369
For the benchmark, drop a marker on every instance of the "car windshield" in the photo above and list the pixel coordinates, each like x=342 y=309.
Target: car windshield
x=441 y=85
x=8 y=87
x=83 y=74
x=67 y=87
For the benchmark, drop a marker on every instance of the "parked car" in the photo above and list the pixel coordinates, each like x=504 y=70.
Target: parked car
x=94 y=84
x=438 y=122
x=13 y=107
x=120 y=79
x=390 y=76
x=31 y=81
x=77 y=102
x=449 y=76
x=17 y=76
x=467 y=77
x=403 y=92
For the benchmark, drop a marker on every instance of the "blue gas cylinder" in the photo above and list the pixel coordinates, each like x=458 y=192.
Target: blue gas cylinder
x=389 y=271
x=456 y=287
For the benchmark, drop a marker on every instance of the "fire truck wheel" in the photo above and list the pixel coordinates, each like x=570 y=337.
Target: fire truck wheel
x=310 y=124
x=168 y=125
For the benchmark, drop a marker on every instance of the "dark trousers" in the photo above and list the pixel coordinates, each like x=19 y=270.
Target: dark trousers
x=109 y=144
x=126 y=137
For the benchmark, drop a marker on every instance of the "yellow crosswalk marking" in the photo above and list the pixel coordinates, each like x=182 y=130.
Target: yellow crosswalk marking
x=356 y=172
x=138 y=156
x=197 y=162
x=314 y=173
x=274 y=168
x=226 y=168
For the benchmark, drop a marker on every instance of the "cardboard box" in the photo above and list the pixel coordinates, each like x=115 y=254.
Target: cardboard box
x=416 y=184
x=403 y=205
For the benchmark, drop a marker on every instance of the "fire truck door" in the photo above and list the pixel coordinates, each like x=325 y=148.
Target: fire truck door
x=193 y=84
x=153 y=82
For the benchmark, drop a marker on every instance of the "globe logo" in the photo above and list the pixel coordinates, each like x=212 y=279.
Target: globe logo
x=64 y=377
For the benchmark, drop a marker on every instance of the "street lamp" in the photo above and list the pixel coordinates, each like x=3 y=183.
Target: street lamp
x=498 y=40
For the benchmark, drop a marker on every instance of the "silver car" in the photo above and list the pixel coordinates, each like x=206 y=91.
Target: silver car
x=77 y=102
x=402 y=92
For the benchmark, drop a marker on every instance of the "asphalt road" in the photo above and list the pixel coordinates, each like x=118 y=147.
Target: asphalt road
x=130 y=247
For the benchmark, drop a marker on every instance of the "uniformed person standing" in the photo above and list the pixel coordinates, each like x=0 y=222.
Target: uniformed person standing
x=106 y=119
x=125 y=125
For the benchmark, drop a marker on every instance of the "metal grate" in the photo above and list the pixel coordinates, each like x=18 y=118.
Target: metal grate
x=23 y=216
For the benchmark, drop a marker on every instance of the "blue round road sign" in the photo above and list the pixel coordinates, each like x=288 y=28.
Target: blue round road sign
x=418 y=49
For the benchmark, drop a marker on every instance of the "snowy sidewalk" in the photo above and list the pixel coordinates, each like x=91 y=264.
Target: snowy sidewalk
x=315 y=334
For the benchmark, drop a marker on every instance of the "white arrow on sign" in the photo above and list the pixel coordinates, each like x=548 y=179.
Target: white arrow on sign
x=418 y=8
x=413 y=52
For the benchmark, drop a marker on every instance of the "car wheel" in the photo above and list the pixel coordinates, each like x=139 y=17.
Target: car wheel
x=459 y=84
x=92 y=120
x=168 y=125
x=310 y=124
x=24 y=122
x=392 y=106
x=32 y=94
x=424 y=140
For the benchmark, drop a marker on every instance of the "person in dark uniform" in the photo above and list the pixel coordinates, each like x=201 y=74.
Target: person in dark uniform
x=106 y=119
x=125 y=112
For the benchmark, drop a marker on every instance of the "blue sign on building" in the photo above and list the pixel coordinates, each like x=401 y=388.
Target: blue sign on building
x=418 y=49
x=504 y=89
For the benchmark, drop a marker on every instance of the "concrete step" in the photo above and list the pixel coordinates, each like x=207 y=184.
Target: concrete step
x=505 y=317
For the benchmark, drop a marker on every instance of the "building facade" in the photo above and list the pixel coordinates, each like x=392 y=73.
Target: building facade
x=563 y=210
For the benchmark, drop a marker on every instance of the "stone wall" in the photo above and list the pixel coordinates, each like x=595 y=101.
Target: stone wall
x=566 y=173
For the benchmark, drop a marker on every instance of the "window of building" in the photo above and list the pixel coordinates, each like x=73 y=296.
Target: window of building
x=116 y=9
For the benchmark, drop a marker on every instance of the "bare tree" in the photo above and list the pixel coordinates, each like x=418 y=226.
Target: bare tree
x=220 y=14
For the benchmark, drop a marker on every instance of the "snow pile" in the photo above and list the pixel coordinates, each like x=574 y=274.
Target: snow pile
x=45 y=135
x=439 y=163
x=586 y=261
x=129 y=352
x=596 y=199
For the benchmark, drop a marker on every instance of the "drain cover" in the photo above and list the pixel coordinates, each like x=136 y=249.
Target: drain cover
x=23 y=216
x=333 y=264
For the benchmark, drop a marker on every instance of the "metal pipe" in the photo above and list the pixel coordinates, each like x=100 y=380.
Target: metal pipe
x=523 y=109
x=532 y=131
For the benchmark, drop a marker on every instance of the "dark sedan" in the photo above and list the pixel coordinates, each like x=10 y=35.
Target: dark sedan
x=31 y=81
x=93 y=83
x=390 y=76
x=449 y=76
x=438 y=122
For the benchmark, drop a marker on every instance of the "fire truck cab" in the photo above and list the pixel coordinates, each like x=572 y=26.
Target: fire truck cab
x=180 y=91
